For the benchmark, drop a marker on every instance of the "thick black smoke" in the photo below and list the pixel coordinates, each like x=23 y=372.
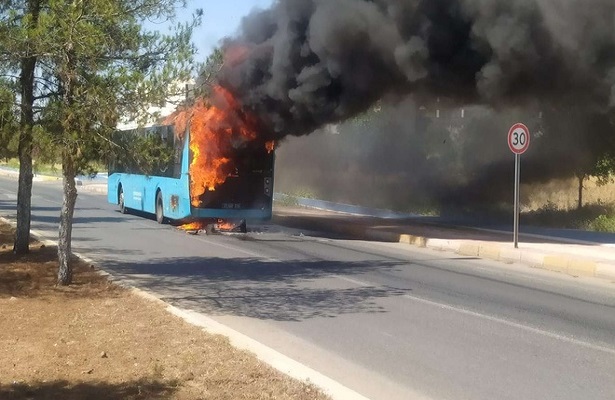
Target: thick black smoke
x=305 y=63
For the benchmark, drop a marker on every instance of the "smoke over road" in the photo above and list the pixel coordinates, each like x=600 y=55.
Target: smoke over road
x=303 y=64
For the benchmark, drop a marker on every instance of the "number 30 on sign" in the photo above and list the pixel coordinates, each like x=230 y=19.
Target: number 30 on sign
x=519 y=138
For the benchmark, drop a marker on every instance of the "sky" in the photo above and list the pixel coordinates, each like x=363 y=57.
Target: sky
x=221 y=18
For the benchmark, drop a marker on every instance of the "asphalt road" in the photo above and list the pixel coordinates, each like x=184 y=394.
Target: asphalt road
x=387 y=320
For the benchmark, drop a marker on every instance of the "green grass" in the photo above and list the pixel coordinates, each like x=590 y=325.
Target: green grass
x=603 y=223
x=45 y=168
x=594 y=217
x=11 y=163
x=287 y=201
x=37 y=168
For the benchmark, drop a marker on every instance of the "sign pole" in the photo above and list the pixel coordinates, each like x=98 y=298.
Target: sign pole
x=516 y=218
x=518 y=142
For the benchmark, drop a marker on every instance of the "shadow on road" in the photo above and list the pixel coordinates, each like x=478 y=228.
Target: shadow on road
x=141 y=389
x=283 y=291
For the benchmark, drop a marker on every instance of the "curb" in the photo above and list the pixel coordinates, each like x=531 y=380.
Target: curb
x=40 y=178
x=94 y=188
x=35 y=178
x=266 y=354
x=571 y=265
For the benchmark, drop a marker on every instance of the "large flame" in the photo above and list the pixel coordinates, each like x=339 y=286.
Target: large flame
x=216 y=129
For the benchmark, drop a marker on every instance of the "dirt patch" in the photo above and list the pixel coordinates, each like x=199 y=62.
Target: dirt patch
x=95 y=340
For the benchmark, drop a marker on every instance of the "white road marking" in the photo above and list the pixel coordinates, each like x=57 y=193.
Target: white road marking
x=464 y=311
x=490 y=318
x=527 y=328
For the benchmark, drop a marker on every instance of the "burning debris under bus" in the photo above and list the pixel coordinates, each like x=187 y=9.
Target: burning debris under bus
x=222 y=171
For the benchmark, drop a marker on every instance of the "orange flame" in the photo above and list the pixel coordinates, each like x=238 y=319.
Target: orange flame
x=226 y=226
x=270 y=146
x=220 y=225
x=216 y=128
x=194 y=226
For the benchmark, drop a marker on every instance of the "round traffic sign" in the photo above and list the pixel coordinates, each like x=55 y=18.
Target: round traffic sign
x=518 y=138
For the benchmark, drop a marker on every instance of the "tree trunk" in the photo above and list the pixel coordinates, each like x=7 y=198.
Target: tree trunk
x=581 y=179
x=65 y=232
x=65 y=271
x=24 y=190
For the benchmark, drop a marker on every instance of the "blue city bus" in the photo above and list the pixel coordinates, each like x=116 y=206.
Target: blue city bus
x=165 y=193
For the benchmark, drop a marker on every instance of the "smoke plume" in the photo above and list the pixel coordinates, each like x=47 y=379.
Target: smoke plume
x=305 y=63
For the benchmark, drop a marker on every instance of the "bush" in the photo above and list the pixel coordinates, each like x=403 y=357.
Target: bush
x=584 y=218
x=603 y=223
x=285 y=200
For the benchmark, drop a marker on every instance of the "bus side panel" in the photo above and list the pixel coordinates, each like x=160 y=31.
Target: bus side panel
x=112 y=188
x=175 y=198
x=132 y=186
x=148 y=194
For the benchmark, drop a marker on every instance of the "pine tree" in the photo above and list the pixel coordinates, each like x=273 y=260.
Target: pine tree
x=95 y=63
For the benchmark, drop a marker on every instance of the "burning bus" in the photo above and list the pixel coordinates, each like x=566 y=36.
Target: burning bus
x=219 y=170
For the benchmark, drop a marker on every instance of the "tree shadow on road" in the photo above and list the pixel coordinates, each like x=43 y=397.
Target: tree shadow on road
x=140 y=389
x=284 y=291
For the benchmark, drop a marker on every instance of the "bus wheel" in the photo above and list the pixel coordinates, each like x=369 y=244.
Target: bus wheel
x=120 y=200
x=159 y=209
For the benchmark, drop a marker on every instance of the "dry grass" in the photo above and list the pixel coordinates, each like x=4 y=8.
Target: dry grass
x=554 y=204
x=94 y=340
x=563 y=194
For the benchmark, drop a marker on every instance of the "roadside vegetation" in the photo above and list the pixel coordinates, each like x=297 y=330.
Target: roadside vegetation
x=52 y=169
x=556 y=204
x=595 y=217
x=70 y=73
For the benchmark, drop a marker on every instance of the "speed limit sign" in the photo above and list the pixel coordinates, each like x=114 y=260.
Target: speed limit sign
x=518 y=141
x=519 y=138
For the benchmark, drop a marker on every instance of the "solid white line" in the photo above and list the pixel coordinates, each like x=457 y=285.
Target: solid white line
x=266 y=354
x=512 y=324
x=275 y=359
x=475 y=314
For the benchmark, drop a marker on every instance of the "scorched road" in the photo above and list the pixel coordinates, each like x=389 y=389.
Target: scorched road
x=387 y=320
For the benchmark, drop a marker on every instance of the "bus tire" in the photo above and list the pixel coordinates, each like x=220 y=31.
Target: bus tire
x=121 y=201
x=159 y=208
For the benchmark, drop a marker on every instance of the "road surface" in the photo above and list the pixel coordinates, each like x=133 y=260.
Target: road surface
x=387 y=320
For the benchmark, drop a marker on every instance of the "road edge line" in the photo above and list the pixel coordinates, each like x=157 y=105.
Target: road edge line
x=262 y=352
